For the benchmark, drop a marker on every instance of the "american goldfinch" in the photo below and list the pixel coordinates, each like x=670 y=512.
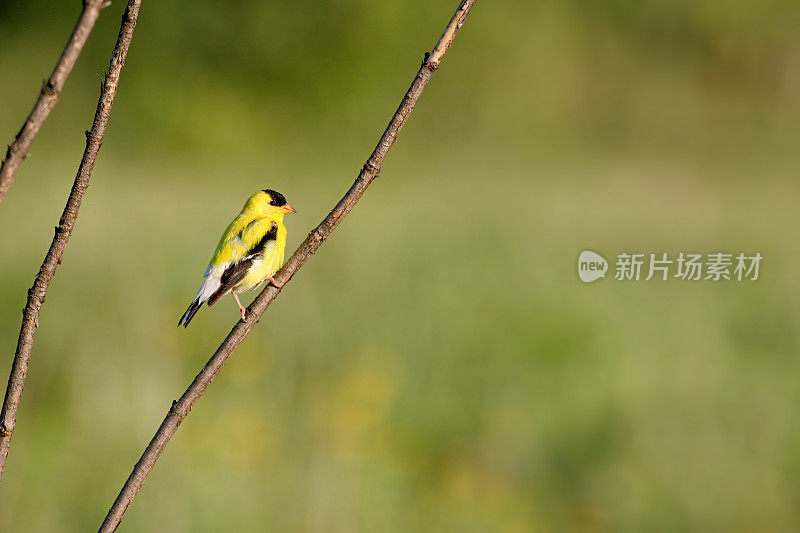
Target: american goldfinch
x=249 y=252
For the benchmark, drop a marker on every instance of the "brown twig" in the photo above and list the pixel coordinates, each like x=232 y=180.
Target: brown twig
x=180 y=409
x=49 y=94
x=36 y=294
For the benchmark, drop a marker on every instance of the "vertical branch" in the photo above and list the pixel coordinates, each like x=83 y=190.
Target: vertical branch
x=49 y=94
x=36 y=294
x=180 y=408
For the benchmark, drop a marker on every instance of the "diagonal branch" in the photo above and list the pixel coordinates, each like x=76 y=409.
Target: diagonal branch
x=180 y=409
x=36 y=294
x=49 y=94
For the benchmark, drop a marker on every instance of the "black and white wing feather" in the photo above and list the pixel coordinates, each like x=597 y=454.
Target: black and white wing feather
x=222 y=279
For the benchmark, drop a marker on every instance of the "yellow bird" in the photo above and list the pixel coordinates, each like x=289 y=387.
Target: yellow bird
x=249 y=252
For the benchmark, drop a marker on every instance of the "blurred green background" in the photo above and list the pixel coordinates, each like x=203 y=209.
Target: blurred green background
x=437 y=366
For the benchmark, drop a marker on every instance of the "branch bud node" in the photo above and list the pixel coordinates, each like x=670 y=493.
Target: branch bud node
x=49 y=89
x=369 y=166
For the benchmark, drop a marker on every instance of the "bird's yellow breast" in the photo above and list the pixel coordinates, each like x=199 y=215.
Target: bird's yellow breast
x=239 y=239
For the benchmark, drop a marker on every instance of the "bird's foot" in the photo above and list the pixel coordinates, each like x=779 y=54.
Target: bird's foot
x=241 y=307
x=272 y=280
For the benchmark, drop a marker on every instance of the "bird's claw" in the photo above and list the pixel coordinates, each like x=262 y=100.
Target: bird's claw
x=272 y=280
x=241 y=307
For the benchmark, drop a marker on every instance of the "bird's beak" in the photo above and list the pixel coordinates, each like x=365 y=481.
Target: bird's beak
x=287 y=209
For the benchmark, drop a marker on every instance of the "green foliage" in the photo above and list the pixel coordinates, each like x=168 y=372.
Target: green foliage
x=437 y=366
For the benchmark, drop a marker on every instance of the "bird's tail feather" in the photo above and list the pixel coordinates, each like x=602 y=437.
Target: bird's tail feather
x=209 y=287
x=190 y=312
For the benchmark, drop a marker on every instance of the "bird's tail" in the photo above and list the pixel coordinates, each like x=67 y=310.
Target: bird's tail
x=209 y=287
x=190 y=312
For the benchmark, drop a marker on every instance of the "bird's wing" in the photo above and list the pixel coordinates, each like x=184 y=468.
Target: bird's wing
x=234 y=258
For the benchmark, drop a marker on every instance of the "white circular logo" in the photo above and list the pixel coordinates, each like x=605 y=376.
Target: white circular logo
x=591 y=266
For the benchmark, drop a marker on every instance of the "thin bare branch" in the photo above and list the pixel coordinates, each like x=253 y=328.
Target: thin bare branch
x=180 y=409
x=36 y=294
x=49 y=94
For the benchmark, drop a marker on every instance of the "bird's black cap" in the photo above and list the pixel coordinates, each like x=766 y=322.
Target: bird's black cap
x=278 y=199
